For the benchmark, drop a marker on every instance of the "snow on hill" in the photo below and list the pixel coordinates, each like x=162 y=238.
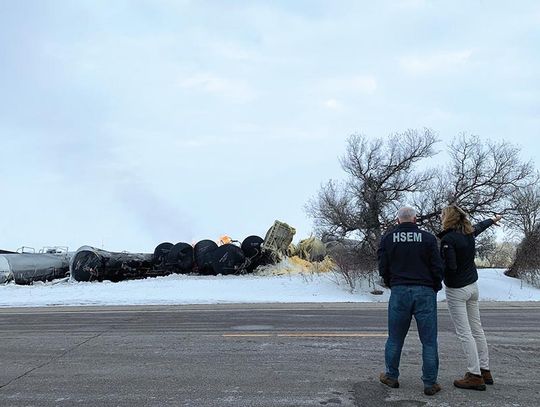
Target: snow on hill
x=286 y=284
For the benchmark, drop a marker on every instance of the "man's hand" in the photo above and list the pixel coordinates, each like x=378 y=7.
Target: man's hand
x=496 y=219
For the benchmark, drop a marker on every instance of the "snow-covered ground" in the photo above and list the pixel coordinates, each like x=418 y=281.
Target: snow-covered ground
x=181 y=289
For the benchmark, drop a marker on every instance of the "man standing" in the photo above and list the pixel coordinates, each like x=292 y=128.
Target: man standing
x=410 y=264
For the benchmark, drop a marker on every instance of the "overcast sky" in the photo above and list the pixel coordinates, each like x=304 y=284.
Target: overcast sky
x=124 y=124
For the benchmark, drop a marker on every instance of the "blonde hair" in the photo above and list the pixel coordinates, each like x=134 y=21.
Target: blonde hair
x=453 y=217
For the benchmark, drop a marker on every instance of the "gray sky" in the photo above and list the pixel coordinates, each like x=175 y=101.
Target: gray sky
x=127 y=123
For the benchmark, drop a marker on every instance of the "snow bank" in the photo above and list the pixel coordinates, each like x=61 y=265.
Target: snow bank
x=181 y=289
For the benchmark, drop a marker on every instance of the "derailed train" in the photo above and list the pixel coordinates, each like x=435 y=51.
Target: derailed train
x=206 y=258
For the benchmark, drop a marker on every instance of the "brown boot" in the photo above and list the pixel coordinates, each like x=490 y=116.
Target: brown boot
x=431 y=390
x=471 y=381
x=393 y=383
x=486 y=375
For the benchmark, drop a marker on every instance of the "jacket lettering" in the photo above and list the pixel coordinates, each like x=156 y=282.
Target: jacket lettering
x=399 y=237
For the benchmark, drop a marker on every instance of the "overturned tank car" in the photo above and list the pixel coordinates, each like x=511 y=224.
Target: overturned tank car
x=27 y=267
x=226 y=259
x=91 y=264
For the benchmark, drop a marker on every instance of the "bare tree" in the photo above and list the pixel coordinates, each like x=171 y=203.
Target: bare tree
x=527 y=262
x=486 y=246
x=353 y=264
x=431 y=200
x=481 y=177
x=524 y=214
x=504 y=255
x=381 y=174
x=525 y=217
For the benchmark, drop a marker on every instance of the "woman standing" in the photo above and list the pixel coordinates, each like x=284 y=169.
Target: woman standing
x=460 y=275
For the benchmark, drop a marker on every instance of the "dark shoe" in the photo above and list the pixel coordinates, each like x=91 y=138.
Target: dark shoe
x=486 y=375
x=431 y=390
x=393 y=383
x=471 y=381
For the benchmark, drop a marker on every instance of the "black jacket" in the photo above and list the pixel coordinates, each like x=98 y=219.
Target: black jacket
x=410 y=256
x=458 y=251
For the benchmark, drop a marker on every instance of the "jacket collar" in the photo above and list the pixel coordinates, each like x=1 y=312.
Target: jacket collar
x=440 y=235
x=407 y=225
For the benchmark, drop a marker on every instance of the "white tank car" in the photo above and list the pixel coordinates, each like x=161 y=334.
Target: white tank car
x=25 y=267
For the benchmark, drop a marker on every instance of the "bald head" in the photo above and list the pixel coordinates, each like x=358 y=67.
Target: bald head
x=406 y=214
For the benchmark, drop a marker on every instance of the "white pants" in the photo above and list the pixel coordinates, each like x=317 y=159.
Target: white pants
x=465 y=313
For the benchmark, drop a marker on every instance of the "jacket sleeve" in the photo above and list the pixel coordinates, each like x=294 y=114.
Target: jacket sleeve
x=436 y=266
x=448 y=254
x=382 y=257
x=480 y=227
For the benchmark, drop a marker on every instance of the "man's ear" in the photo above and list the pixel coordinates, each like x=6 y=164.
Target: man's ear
x=397 y=221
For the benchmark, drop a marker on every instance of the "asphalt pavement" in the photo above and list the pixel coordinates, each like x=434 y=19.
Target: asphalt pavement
x=249 y=355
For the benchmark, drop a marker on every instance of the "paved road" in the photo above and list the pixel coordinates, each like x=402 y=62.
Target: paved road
x=248 y=355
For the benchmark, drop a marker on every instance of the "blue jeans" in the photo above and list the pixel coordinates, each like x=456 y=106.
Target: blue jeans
x=406 y=301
